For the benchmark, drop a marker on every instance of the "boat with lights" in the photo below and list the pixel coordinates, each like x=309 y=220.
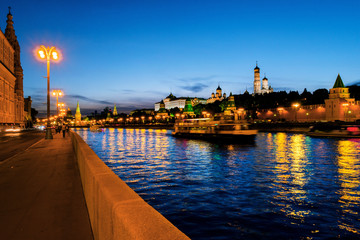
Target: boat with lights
x=344 y=131
x=218 y=130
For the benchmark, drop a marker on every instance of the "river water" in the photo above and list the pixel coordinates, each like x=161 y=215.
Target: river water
x=286 y=186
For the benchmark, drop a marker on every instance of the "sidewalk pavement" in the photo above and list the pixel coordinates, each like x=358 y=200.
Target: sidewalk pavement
x=41 y=194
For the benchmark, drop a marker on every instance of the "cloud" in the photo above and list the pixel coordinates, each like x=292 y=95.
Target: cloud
x=77 y=97
x=355 y=83
x=198 y=87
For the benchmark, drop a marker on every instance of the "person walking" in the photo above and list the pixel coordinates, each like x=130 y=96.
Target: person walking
x=63 y=128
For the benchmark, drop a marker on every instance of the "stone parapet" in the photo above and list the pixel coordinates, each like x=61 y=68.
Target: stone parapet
x=115 y=210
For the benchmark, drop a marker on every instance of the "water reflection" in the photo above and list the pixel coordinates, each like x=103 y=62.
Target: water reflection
x=285 y=185
x=290 y=174
x=349 y=179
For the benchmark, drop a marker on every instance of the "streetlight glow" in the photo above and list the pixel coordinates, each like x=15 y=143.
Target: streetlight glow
x=48 y=53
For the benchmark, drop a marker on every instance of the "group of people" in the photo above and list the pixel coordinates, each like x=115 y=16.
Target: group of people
x=64 y=128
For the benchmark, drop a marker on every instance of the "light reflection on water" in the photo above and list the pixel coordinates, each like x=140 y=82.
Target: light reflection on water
x=286 y=186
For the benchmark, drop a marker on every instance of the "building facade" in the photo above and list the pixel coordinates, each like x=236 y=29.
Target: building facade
x=261 y=87
x=11 y=77
x=339 y=107
x=216 y=97
x=171 y=102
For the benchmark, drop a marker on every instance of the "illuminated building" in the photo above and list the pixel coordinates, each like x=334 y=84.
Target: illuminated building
x=188 y=110
x=230 y=107
x=339 y=104
x=115 y=111
x=162 y=111
x=216 y=97
x=78 y=115
x=258 y=89
x=11 y=77
x=171 y=102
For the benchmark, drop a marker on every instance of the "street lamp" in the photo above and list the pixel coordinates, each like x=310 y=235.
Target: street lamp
x=48 y=53
x=57 y=94
x=296 y=105
x=346 y=106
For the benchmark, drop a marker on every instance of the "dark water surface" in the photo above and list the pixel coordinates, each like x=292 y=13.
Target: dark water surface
x=286 y=186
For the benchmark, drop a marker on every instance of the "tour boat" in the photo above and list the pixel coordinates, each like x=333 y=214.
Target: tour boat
x=218 y=130
x=96 y=128
x=336 y=132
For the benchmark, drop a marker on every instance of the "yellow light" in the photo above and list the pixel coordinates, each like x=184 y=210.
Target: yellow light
x=41 y=54
x=55 y=55
x=296 y=105
x=60 y=93
x=54 y=93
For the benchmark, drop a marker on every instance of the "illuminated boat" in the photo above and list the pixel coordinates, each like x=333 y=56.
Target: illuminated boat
x=336 y=132
x=218 y=130
x=96 y=128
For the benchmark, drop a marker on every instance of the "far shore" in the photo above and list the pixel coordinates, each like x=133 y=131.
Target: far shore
x=290 y=127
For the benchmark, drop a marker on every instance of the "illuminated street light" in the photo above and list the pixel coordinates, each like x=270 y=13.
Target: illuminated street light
x=48 y=53
x=296 y=105
x=57 y=94
x=346 y=106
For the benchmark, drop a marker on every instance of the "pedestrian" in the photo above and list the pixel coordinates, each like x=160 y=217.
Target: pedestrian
x=67 y=128
x=63 y=128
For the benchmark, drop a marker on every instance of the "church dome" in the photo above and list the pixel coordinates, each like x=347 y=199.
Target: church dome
x=218 y=88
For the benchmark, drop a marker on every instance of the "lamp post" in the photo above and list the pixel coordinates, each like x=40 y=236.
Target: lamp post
x=48 y=53
x=57 y=93
x=296 y=105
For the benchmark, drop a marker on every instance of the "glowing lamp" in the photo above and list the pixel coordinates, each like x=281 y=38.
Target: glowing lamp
x=41 y=54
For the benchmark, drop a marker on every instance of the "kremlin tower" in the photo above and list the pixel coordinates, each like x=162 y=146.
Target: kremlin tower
x=77 y=115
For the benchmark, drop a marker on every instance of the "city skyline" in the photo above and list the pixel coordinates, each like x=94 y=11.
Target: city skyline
x=134 y=54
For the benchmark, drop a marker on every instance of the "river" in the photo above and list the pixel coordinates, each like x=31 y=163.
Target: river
x=285 y=186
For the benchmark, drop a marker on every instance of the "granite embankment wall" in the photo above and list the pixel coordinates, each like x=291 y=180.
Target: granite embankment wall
x=115 y=210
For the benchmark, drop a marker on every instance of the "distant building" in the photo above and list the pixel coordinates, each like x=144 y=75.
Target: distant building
x=230 y=107
x=216 y=97
x=162 y=111
x=171 y=102
x=188 y=110
x=77 y=115
x=11 y=77
x=340 y=106
x=115 y=113
x=258 y=89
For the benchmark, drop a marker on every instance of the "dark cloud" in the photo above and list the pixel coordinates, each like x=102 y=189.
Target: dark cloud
x=355 y=83
x=79 y=97
x=195 y=87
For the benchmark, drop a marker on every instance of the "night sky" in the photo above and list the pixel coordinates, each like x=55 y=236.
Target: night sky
x=134 y=53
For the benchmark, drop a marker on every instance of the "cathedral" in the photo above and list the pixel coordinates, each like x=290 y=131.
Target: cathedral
x=258 y=89
x=216 y=97
x=11 y=77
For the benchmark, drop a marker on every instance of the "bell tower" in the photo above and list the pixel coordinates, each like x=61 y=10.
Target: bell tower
x=257 y=82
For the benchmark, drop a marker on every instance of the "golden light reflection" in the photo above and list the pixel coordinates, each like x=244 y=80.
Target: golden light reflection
x=349 y=179
x=290 y=174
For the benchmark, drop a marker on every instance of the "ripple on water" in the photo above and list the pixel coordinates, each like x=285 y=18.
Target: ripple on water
x=285 y=186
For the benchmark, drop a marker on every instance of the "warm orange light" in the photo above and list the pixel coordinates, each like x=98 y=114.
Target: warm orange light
x=55 y=55
x=296 y=105
x=42 y=54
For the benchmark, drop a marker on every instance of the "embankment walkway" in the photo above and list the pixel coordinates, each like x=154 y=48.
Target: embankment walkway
x=41 y=195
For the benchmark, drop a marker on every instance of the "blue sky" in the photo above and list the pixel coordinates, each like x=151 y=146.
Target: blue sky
x=133 y=53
